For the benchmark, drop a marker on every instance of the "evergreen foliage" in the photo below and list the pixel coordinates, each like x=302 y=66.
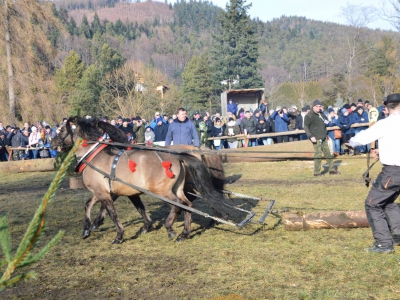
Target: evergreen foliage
x=235 y=50
x=24 y=255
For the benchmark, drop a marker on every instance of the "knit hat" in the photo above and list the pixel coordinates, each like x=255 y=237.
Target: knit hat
x=307 y=107
x=261 y=119
x=304 y=109
x=343 y=110
x=138 y=118
x=316 y=102
x=126 y=120
x=330 y=109
x=159 y=120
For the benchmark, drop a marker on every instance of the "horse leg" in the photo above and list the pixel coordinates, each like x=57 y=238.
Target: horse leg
x=87 y=222
x=142 y=210
x=187 y=215
x=100 y=217
x=114 y=217
x=173 y=215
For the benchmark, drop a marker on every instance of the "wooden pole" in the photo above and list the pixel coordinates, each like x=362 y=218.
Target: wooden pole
x=325 y=220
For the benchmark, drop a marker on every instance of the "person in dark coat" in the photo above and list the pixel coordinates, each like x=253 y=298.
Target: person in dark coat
x=128 y=130
x=232 y=107
x=160 y=131
x=3 y=149
x=263 y=127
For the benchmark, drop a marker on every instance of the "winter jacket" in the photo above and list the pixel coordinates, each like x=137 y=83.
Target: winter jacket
x=232 y=107
x=16 y=140
x=344 y=123
x=160 y=132
x=182 y=133
x=139 y=132
x=262 y=128
x=314 y=125
x=130 y=135
x=281 y=123
x=249 y=125
x=233 y=127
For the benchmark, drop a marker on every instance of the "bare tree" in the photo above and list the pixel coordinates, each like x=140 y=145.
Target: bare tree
x=357 y=16
x=391 y=13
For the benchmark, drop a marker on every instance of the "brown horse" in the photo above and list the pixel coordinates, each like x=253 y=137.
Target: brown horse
x=160 y=173
x=216 y=170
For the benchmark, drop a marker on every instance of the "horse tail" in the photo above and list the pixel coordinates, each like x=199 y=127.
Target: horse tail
x=214 y=163
x=204 y=185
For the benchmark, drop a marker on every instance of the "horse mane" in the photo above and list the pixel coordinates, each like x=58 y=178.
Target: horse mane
x=92 y=129
x=115 y=134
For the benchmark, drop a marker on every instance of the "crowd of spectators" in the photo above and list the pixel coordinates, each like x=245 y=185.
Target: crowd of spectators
x=34 y=140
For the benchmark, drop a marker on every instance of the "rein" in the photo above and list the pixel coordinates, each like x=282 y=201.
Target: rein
x=93 y=151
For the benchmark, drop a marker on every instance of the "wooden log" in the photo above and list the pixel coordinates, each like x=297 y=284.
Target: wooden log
x=76 y=183
x=325 y=220
x=30 y=165
x=292 y=150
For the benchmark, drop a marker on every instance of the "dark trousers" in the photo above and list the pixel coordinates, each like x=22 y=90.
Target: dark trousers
x=382 y=213
x=281 y=139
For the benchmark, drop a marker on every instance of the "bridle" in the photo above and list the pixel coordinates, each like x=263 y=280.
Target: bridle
x=62 y=139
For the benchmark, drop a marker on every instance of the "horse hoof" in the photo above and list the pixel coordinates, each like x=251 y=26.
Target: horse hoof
x=117 y=242
x=86 y=234
x=180 y=239
x=171 y=235
x=93 y=228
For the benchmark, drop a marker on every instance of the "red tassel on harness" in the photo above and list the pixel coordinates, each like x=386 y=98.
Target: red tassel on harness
x=128 y=148
x=167 y=167
x=132 y=165
x=84 y=143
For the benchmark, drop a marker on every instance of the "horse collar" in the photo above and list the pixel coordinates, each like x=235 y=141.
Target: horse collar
x=90 y=155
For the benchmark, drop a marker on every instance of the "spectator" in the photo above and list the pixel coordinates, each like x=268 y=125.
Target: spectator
x=153 y=121
x=248 y=127
x=49 y=136
x=34 y=139
x=160 y=132
x=263 y=107
x=359 y=117
x=209 y=125
x=232 y=107
x=231 y=130
x=240 y=111
x=281 y=124
x=140 y=128
x=149 y=135
x=2 y=128
x=263 y=127
x=197 y=119
x=17 y=142
x=202 y=133
x=182 y=131
x=3 y=145
x=300 y=124
x=128 y=130
x=113 y=123
x=335 y=141
x=292 y=115
x=26 y=126
x=217 y=131
x=344 y=123
x=120 y=122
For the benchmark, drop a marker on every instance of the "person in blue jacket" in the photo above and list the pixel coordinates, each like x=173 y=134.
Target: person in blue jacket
x=360 y=116
x=344 y=123
x=281 y=123
x=182 y=131
x=232 y=107
x=333 y=121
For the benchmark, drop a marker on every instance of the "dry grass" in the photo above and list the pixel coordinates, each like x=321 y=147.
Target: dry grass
x=219 y=263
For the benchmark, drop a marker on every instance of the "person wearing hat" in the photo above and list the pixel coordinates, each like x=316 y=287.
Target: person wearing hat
x=359 y=116
x=248 y=127
x=182 y=131
x=315 y=124
x=292 y=115
x=120 y=120
x=263 y=127
x=139 y=129
x=382 y=213
x=17 y=142
x=160 y=132
x=300 y=123
x=128 y=130
x=218 y=131
x=231 y=130
x=197 y=119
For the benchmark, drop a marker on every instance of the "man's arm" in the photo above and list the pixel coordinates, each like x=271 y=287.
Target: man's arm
x=368 y=136
x=169 y=136
x=196 y=140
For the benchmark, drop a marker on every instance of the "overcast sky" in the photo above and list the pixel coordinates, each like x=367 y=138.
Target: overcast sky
x=322 y=10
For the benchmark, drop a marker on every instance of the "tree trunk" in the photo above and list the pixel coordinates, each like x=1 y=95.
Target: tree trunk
x=326 y=220
x=11 y=94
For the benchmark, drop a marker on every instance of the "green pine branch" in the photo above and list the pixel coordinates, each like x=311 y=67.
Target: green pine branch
x=24 y=256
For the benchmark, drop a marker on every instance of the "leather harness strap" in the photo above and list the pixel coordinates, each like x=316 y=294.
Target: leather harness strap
x=113 y=168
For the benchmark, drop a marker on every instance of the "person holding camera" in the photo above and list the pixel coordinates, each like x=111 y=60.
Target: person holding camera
x=382 y=213
x=281 y=124
x=315 y=124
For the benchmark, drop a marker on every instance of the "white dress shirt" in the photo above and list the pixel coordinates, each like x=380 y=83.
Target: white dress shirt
x=387 y=132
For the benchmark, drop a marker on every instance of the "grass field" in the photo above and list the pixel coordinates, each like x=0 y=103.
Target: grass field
x=254 y=263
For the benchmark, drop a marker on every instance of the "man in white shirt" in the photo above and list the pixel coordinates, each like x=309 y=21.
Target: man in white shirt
x=383 y=215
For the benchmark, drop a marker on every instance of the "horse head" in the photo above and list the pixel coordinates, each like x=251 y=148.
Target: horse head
x=65 y=135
